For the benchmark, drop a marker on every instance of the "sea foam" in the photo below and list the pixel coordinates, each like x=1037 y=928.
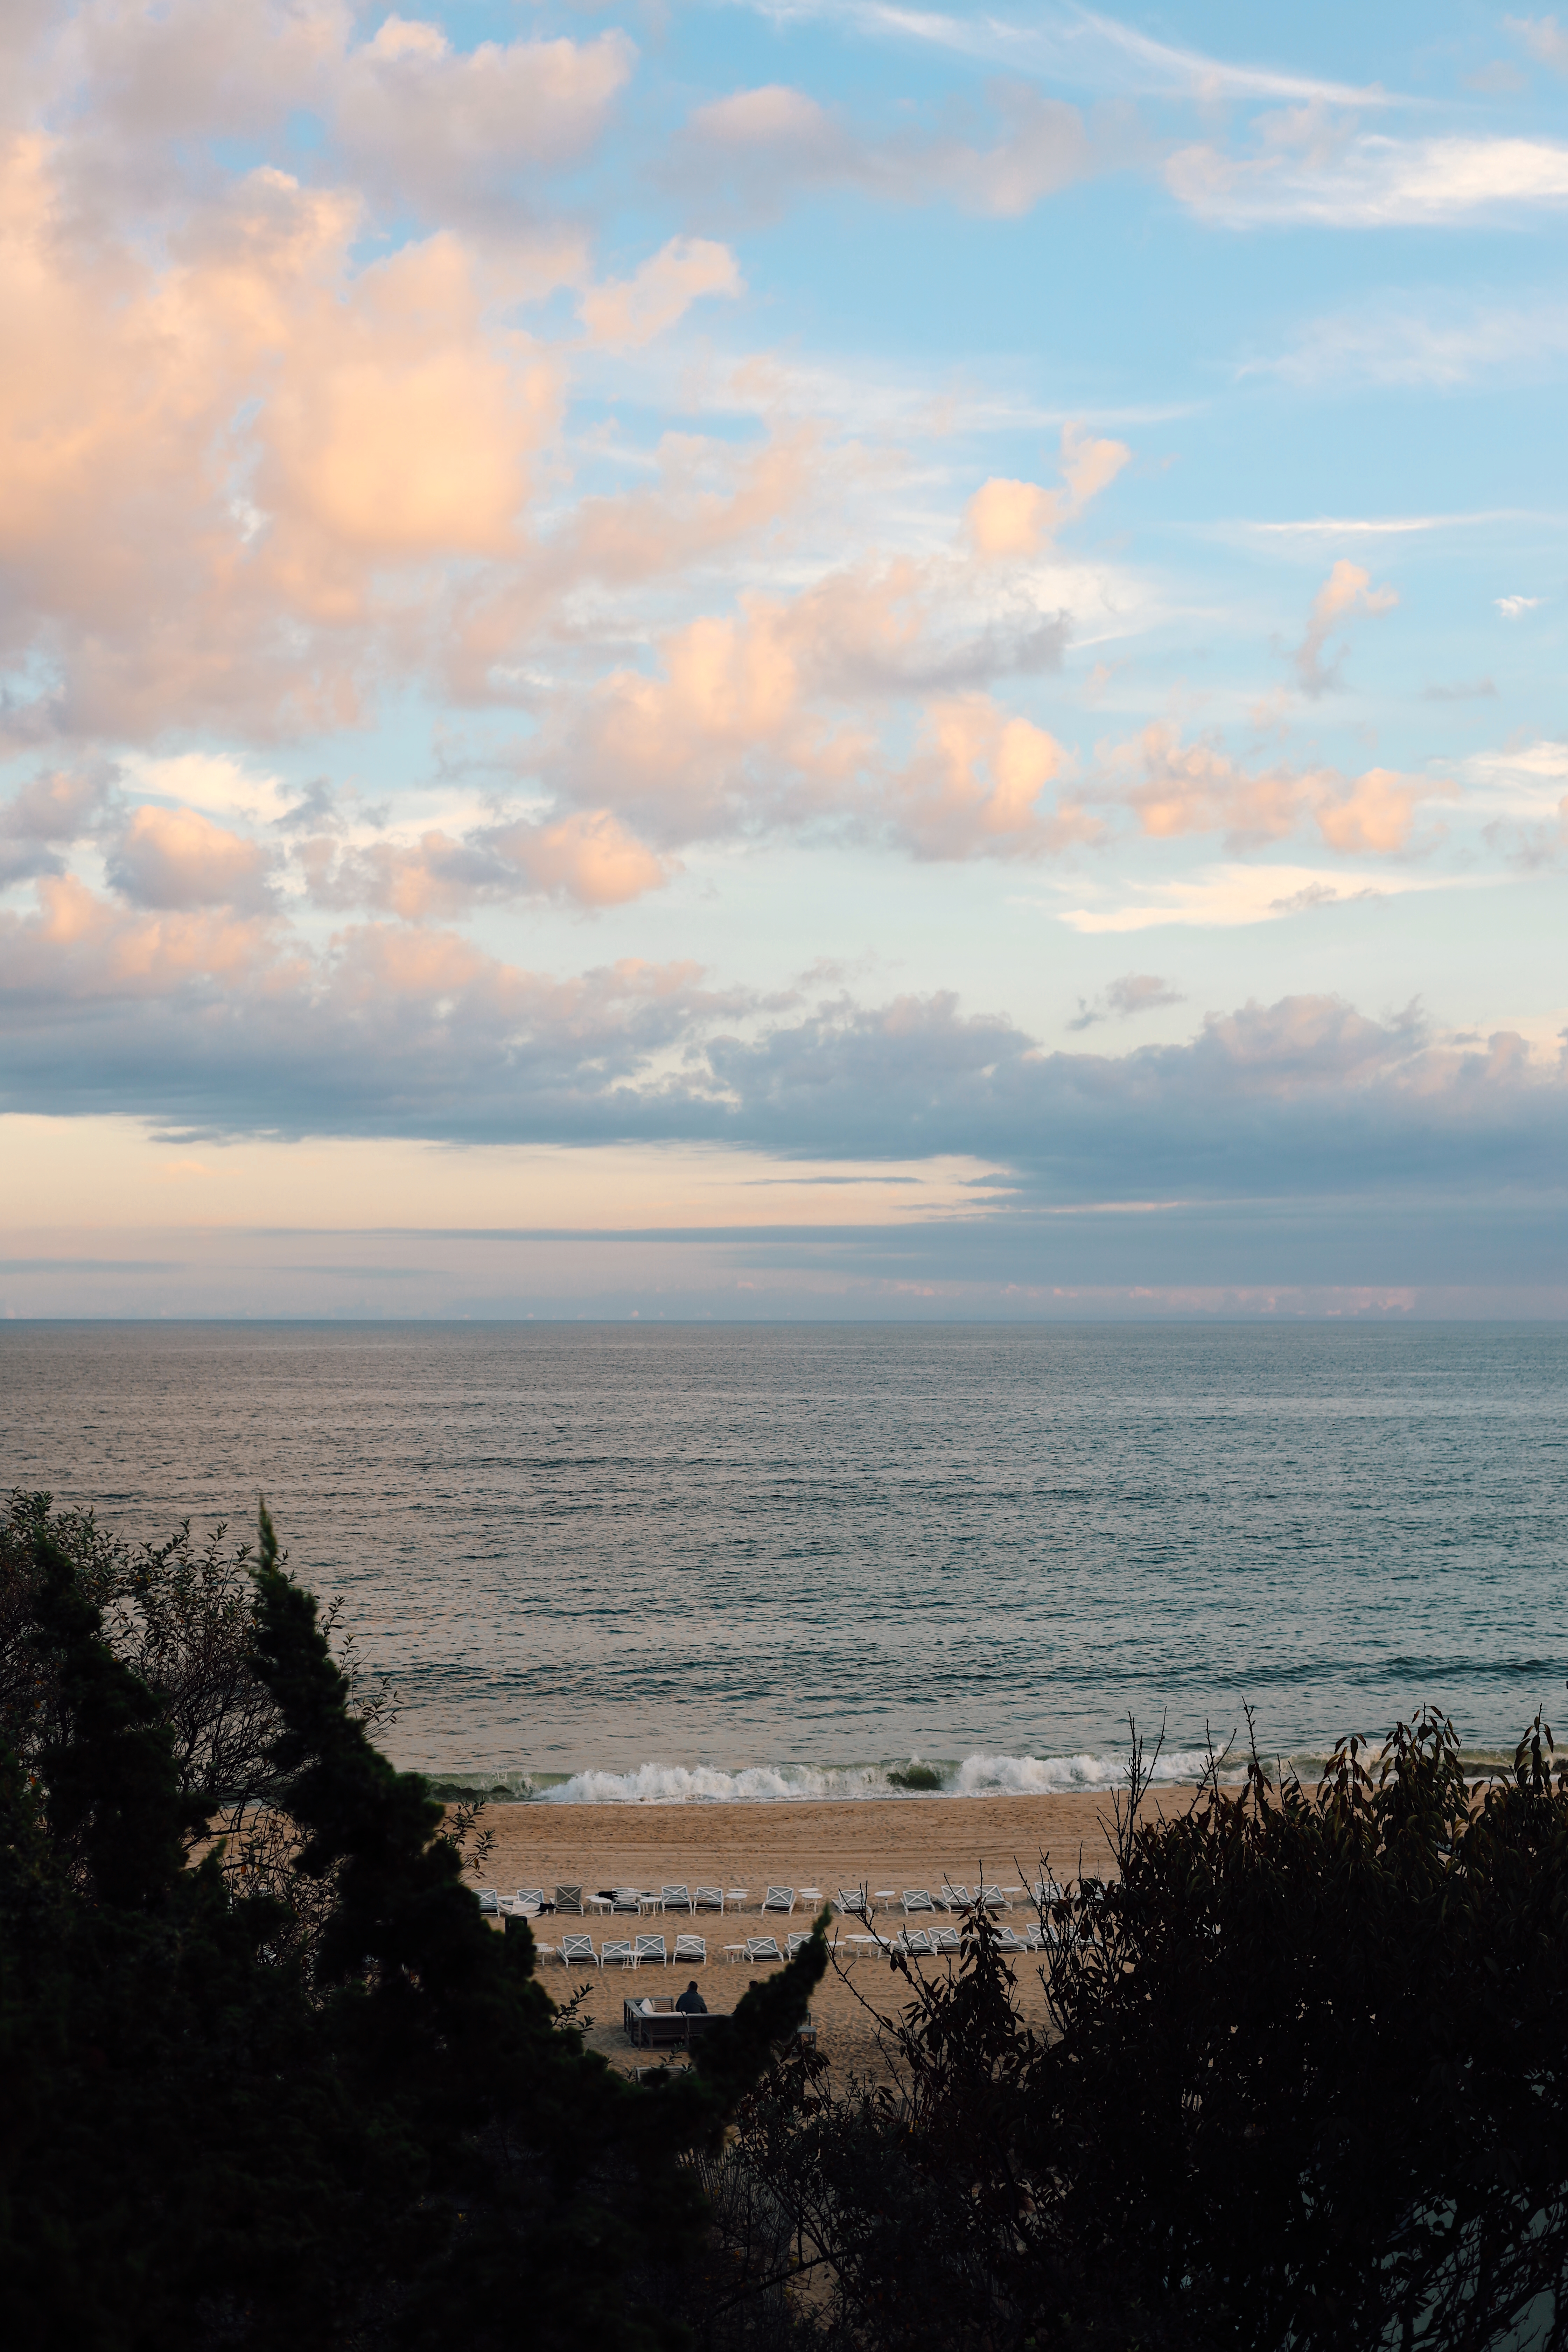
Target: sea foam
x=697 y=1784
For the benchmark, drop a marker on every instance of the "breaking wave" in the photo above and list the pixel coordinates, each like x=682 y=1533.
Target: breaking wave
x=754 y=1784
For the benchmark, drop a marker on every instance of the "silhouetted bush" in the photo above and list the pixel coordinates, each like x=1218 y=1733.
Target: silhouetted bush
x=1303 y=2085
x=323 y=2106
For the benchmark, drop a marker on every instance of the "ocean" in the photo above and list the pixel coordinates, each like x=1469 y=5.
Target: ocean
x=697 y=1562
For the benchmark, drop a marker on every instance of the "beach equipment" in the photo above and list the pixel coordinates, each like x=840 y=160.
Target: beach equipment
x=652 y=1948
x=992 y=1898
x=1045 y=1890
x=762 y=1947
x=675 y=1899
x=626 y=1898
x=793 y=1944
x=708 y=1898
x=736 y=1898
x=946 y=1939
x=1008 y=1940
x=953 y=1898
x=734 y=1951
x=487 y=1899
x=851 y=1901
x=920 y=1943
x=917 y=1899
x=529 y=1898
x=570 y=1898
x=690 y=1947
x=779 y=1898
x=577 y=1952
x=618 y=1948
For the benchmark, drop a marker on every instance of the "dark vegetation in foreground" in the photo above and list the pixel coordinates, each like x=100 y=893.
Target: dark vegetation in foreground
x=267 y=2079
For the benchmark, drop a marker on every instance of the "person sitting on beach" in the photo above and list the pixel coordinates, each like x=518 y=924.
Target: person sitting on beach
x=691 y=2002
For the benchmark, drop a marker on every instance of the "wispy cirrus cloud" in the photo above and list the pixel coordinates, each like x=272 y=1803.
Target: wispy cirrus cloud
x=1311 y=169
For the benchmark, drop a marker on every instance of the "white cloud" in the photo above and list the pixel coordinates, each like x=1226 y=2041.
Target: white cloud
x=1545 y=40
x=1366 y=180
x=1387 y=342
x=1223 y=897
x=1513 y=608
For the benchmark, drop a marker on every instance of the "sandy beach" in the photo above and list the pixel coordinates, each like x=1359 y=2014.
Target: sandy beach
x=905 y=1842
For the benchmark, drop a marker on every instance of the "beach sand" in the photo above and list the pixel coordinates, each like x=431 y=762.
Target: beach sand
x=904 y=1842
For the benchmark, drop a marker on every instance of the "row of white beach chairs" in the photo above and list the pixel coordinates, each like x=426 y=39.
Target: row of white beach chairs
x=572 y=1901
x=851 y=1901
x=765 y=1951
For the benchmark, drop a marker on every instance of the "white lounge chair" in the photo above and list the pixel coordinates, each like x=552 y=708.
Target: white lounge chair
x=920 y=1943
x=762 y=1947
x=708 y=1898
x=793 y=1944
x=570 y=1899
x=619 y=1949
x=694 y=1949
x=779 y=1898
x=993 y=1899
x=946 y=1939
x=577 y=1952
x=917 y=1899
x=953 y=1898
x=488 y=1900
x=1010 y=1942
x=851 y=1901
x=528 y=1899
x=675 y=1899
x=626 y=1898
x=652 y=1948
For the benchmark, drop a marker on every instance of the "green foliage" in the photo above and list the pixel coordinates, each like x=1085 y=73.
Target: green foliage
x=217 y=2130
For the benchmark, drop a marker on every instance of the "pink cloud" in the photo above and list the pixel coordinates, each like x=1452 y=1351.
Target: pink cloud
x=175 y=858
x=1347 y=590
x=1177 y=788
x=1019 y=518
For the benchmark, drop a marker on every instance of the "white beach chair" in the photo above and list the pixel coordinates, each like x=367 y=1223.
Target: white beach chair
x=1009 y=1941
x=917 y=1899
x=953 y=1898
x=692 y=1949
x=796 y=1942
x=708 y=1898
x=945 y=1940
x=570 y=1899
x=675 y=1899
x=652 y=1948
x=851 y=1901
x=779 y=1898
x=920 y=1943
x=628 y=1898
x=993 y=1899
x=577 y=1952
x=529 y=1900
x=762 y=1947
x=488 y=1900
x=620 y=1950
x=1044 y=1890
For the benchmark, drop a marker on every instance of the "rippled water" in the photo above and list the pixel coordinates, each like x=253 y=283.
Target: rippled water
x=692 y=1553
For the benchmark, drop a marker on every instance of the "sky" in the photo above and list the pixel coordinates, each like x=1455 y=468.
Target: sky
x=737 y=660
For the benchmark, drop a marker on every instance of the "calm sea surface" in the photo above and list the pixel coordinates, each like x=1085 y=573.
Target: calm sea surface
x=657 y=1559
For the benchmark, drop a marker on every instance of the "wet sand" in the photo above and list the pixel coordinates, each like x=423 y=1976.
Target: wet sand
x=885 y=1846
